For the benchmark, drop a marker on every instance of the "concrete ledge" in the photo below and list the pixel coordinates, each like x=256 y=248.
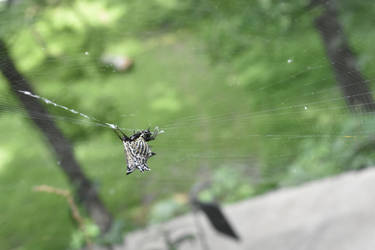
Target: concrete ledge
x=332 y=214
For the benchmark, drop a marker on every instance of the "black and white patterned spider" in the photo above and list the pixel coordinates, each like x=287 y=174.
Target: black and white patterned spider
x=137 y=151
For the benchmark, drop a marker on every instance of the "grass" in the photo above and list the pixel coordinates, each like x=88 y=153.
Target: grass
x=235 y=119
x=162 y=90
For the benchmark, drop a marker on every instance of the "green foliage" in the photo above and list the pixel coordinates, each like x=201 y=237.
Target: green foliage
x=243 y=90
x=114 y=236
x=167 y=209
x=81 y=237
x=91 y=235
x=319 y=159
x=228 y=185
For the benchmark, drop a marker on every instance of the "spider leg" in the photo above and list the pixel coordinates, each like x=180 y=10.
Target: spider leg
x=129 y=168
x=135 y=136
x=116 y=132
x=145 y=167
x=140 y=169
x=120 y=134
x=153 y=136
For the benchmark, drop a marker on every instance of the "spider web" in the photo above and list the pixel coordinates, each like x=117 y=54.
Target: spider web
x=221 y=149
x=218 y=117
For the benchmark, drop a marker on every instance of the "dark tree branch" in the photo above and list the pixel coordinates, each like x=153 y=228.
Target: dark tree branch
x=213 y=212
x=9 y=3
x=61 y=146
x=353 y=86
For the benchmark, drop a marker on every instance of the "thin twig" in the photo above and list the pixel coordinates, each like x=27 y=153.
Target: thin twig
x=73 y=207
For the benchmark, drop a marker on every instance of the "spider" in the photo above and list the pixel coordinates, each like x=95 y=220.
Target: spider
x=137 y=151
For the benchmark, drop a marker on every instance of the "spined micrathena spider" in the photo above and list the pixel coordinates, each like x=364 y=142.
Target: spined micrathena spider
x=137 y=151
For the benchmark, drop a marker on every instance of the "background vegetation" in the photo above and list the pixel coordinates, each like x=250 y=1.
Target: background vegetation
x=243 y=90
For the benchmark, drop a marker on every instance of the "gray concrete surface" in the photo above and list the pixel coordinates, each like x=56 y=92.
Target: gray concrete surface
x=331 y=214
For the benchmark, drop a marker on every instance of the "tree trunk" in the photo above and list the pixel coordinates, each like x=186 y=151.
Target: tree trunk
x=353 y=86
x=62 y=147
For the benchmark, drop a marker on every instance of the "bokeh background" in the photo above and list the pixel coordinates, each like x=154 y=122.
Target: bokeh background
x=245 y=91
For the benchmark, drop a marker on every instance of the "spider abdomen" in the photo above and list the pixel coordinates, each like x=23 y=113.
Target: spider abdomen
x=137 y=153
